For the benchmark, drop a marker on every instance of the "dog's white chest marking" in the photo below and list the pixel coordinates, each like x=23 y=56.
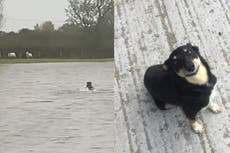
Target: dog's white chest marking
x=200 y=78
x=197 y=127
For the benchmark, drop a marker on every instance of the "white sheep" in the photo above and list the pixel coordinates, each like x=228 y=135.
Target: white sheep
x=12 y=55
x=29 y=55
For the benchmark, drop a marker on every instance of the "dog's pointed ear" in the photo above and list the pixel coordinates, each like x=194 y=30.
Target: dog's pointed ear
x=167 y=64
x=189 y=44
x=196 y=49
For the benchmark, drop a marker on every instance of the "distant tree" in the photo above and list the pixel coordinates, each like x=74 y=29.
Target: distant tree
x=67 y=27
x=88 y=13
x=37 y=27
x=11 y=33
x=46 y=26
x=24 y=30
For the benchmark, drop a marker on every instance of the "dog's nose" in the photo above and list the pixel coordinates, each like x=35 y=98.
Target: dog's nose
x=190 y=67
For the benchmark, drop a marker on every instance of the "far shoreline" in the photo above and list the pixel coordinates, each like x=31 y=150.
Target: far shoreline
x=54 y=60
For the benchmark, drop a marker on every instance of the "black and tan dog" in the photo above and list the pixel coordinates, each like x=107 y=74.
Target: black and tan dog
x=184 y=80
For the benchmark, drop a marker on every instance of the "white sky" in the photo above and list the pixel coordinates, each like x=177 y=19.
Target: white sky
x=20 y=14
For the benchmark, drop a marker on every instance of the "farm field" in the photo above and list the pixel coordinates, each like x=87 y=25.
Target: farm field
x=52 y=60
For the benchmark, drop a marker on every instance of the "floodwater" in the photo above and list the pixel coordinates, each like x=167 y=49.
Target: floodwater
x=44 y=110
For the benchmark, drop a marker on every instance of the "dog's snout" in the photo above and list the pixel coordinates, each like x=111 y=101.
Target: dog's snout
x=190 y=67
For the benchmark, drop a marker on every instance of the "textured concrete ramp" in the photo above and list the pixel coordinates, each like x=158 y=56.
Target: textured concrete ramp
x=145 y=33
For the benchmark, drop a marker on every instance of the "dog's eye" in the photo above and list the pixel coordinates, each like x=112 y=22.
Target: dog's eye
x=190 y=52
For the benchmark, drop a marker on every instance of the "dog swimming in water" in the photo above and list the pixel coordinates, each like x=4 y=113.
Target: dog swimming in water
x=89 y=86
x=184 y=80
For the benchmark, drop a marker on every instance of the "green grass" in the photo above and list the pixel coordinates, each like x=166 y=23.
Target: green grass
x=52 y=60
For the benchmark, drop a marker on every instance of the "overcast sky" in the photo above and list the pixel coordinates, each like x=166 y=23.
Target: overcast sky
x=20 y=14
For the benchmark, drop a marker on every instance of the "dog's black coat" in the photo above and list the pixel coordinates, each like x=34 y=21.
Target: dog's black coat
x=165 y=86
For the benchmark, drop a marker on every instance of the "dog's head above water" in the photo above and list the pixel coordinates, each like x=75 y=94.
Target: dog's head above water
x=185 y=61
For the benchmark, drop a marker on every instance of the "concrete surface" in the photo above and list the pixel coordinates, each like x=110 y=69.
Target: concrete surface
x=145 y=33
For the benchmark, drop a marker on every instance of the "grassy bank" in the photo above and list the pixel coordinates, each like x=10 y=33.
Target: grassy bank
x=52 y=60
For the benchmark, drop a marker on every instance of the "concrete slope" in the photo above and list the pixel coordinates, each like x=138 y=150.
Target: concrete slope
x=145 y=33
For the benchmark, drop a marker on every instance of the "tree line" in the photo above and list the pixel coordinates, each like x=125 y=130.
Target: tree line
x=87 y=33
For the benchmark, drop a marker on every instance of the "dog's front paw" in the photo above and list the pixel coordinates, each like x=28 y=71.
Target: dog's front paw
x=214 y=107
x=197 y=127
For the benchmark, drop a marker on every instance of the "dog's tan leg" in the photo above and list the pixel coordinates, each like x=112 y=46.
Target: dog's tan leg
x=214 y=107
x=196 y=126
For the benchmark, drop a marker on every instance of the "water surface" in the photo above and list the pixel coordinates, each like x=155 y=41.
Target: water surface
x=44 y=110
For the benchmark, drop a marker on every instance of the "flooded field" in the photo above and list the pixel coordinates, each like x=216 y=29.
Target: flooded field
x=43 y=108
